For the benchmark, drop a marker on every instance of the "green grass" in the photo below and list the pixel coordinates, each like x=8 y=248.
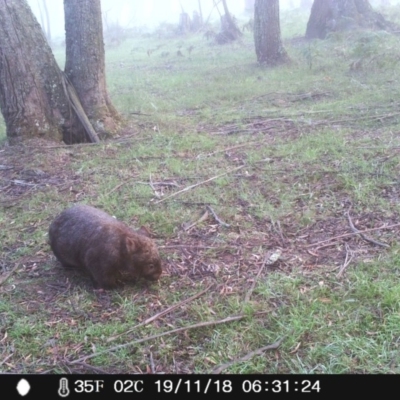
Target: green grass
x=316 y=139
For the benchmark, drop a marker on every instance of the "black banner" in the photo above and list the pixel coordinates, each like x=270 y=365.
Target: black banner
x=135 y=386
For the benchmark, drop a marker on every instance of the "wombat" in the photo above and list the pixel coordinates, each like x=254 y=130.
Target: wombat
x=86 y=237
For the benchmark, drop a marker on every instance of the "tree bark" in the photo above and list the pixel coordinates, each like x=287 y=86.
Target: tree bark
x=338 y=15
x=85 y=63
x=32 y=99
x=267 y=33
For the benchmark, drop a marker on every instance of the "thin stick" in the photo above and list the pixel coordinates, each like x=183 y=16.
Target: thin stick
x=115 y=188
x=88 y=366
x=353 y=233
x=160 y=183
x=5 y=360
x=250 y=291
x=229 y=148
x=153 y=370
x=189 y=246
x=201 y=219
x=198 y=184
x=145 y=339
x=9 y=274
x=349 y=257
x=154 y=189
x=273 y=346
x=209 y=208
x=161 y=314
x=355 y=230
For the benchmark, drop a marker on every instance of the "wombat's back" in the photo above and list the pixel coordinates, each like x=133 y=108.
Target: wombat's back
x=84 y=236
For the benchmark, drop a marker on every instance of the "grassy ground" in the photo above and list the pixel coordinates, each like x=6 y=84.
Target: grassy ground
x=303 y=152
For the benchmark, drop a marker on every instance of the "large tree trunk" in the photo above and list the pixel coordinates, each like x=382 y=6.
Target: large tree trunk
x=337 y=15
x=267 y=33
x=32 y=98
x=85 y=63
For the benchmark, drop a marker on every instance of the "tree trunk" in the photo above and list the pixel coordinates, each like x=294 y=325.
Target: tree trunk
x=267 y=33
x=229 y=29
x=85 y=63
x=338 y=15
x=32 y=98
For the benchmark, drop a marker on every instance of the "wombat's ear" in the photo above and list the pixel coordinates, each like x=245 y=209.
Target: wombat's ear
x=144 y=231
x=130 y=245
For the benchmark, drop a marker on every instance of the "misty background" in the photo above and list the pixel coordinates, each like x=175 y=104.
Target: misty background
x=151 y=13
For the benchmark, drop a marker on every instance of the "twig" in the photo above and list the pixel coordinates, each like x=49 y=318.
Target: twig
x=88 y=366
x=191 y=225
x=249 y=356
x=349 y=257
x=269 y=259
x=209 y=208
x=160 y=183
x=145 y=339
x=154 y=189
x=357 y=231
x=353 y=233
x=23 y=183
x=190 y=246
x=5 y=360
x=9 y=274
x=115 y=188
x=228 y=148
x=153 y=370
x=198 y=184
x=161 y=314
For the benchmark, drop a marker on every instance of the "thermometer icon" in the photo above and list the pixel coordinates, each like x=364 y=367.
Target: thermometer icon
x=63 y=390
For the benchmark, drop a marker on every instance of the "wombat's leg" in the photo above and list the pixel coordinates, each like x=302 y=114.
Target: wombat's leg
x=65 y=265
x=104 y=280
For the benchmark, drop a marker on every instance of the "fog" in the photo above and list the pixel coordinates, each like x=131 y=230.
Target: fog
x=150 y=13
x=129 y=13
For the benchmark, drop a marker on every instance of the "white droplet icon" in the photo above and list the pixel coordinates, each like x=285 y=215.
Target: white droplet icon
x=23 y=387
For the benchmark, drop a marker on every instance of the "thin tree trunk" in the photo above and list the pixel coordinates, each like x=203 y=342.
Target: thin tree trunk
x=85 y=63
x=267 y=33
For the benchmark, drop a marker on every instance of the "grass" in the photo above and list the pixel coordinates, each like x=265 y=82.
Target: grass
x=317 y=139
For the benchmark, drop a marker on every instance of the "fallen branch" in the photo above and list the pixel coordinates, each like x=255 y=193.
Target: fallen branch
x=353 y=233
x=161 y=314
x=198 y=184
x=249 y=356
x=145 y=339
x=209 y=208
x=357 y=231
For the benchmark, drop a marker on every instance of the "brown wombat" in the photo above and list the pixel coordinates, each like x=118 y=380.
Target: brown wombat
x=85 y=237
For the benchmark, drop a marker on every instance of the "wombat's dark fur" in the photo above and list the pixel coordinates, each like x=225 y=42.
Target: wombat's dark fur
x=85 y=237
